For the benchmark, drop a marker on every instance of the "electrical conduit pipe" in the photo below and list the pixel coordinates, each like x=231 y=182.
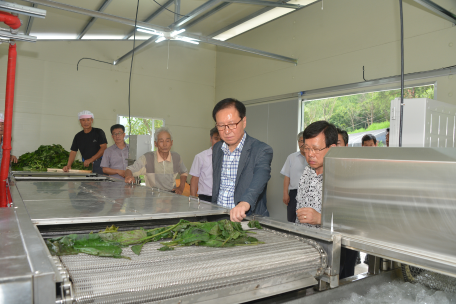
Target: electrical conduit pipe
x=13 y=22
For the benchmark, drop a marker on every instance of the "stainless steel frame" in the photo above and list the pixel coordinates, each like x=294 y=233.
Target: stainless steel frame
x=396 y=203
x=59 y=203
x=22 y=9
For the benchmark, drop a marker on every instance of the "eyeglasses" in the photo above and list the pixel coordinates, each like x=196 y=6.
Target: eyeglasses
x=312 y=150
x=231 y=126
x=117 y=134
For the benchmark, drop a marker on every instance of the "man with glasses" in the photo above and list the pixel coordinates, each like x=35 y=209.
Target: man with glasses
x=91 y=142
x=241 y=164
x=114 y=162
x=292 y=171
x=319 y=137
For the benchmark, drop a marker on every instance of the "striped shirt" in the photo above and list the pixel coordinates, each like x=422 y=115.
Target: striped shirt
x=229 y=171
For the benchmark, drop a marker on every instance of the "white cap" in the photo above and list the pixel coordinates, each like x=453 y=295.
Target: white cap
x=85 y=114
x=2 y=118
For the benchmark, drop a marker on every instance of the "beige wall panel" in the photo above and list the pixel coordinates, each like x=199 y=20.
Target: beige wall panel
x=50 y=92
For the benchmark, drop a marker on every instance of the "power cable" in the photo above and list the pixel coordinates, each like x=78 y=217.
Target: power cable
x=131 y=68
x=77 y=66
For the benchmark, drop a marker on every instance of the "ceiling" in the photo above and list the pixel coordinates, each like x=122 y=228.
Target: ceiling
x=63 y=25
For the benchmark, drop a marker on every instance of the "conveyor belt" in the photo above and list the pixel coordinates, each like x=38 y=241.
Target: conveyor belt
x=157 y=275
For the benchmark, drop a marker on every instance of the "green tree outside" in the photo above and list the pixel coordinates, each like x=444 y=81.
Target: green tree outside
x=360 y=112
x=140 y=126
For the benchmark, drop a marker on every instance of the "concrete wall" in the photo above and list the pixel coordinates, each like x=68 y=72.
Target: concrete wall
x=50 y=92
x=331 y=45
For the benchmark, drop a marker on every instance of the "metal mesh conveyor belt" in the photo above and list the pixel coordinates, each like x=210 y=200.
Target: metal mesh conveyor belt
x=156 y=275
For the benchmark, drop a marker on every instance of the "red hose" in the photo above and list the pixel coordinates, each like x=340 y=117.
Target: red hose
x=9 y=100
x=10 y=20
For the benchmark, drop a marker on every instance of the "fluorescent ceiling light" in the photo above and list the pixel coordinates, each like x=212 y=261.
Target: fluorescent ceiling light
x=160 y=39
x=186 y=39
x=104 y=37
x=54 y=36
x=261 y=19
x=149 y=31
x=175 y=33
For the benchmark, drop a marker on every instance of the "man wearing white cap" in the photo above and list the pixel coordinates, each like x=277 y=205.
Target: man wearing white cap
x=91 y=142
x=12 y=158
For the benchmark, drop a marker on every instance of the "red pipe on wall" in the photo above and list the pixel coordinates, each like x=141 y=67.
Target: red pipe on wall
x=5 y=196
x=10 y=20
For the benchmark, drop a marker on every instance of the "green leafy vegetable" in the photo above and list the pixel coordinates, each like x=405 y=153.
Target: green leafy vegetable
x=51 y=156
x=254 y=224
x=109 y=242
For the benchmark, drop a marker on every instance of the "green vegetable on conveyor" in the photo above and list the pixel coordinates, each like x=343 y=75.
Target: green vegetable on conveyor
x=52 y=156
x=109 y=242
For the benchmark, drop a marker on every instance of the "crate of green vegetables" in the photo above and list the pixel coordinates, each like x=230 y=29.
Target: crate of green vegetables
x=50 y=156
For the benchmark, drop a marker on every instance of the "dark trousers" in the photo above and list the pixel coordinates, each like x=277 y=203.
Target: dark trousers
x=347 y=263
x=96 y=166
x=291 y=208
x=205 y=198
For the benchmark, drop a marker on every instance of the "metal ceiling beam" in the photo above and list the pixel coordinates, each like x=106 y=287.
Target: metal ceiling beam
x=240 y=21
x=208 y=14
x=92 y=20
x=22 y=9
x=247 y=18
x=7 y=35
x=139 y=47
x=152 y=16
x=438 y=10
x=182 y=21
x=238 y=47
x=28 y=28
x=177 y=10
x=196 y=12
x=87 y=12
x=266 y=3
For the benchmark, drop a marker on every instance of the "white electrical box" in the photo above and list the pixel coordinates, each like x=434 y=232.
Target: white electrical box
x=426 y=123
x=138 y=145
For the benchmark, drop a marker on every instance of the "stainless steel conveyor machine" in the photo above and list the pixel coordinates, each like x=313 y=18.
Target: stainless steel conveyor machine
x=395 y=203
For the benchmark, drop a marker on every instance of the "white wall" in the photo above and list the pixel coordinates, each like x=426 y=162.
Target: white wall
x=50 y=92
x=332 y=45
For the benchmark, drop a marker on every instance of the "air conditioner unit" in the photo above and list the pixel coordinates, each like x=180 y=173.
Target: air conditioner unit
x=426 y=123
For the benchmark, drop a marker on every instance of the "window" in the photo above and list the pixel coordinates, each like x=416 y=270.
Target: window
x=362 y=113
x=140 y=126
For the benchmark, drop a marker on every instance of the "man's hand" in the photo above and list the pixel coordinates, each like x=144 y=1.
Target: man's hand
x=66 y=169
x=13 y=159
x=130 y=179
x=87 y=162
x=121 y=172
x=237 y=214
x=286 y=198
x=308 y=216
x=179 y=190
